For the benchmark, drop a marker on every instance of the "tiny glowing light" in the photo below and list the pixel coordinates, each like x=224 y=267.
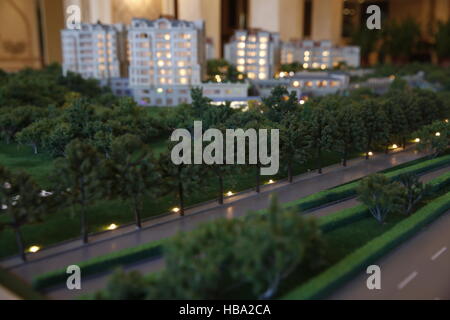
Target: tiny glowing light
x=302 y=101
x=160 y=90
x=176 y=209
x=394 y=146
x=438 y=134
x=417 y=140
x=271 y=181
x=446 y=120
x=112 y=226
x=296 y=84
x=230 y=193
x=305 y=66
x=34 y=249
x=370 y=153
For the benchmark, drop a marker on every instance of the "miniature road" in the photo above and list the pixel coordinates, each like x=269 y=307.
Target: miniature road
x=99 y=281
x=417 y=269
x=72 y=252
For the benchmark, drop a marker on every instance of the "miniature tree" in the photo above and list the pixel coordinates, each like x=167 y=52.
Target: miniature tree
x=77 y=179
x=133 y=175
x=434 y=137
x=293 y=142
x=381 y=196
x=374 y=123
x=348 y=132
x=320 y=130
x=415 y=190
x=22 y=202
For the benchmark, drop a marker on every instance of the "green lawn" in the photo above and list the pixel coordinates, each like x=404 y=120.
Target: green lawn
x=64 y=225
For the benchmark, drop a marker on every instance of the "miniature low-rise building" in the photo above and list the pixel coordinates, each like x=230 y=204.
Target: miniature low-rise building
x=175 y=95
x=306 y=83
x=319 y=54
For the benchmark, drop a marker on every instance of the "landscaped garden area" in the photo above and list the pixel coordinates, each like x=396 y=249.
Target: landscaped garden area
x=104 y=160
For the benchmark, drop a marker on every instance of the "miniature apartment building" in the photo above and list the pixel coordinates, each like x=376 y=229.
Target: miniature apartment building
x=95 y=51
x=255 y=53
x=166 y=57
x=319 y=54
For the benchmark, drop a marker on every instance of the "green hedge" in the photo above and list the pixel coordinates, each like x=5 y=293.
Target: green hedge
x=17 y=286
x=103 y=263
x=349 y=189
x=110 y=261
x=343 y=271
x=346 y=216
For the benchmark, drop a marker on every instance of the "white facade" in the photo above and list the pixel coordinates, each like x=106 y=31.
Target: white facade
x=306 y=83
x=95 y=51
x=255 y=53
x=319 y=55
x=166 y=57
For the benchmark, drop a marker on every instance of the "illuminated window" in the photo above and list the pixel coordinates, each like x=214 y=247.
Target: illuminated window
x=160 y=63
x=182 y=72
x=183 y=80
x=241 y=45
x=326 y=53
x=315 y=65
x=241 y=61
x=241 y=53
x=262 y=53
x=263 y=46
x=167 y=37
x=263 y=39
x=262 y=62
x=251 y=75
x=240 y=68
x=307 y=53
x=262 y=76
x=296 y=84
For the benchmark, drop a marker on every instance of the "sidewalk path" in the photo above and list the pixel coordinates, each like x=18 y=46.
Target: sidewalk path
x=72 y=252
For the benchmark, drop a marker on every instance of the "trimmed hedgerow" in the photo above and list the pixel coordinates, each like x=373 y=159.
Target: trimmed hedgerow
x=17 y=286
x=349 y=189
x=323 y=284
x=103 y=263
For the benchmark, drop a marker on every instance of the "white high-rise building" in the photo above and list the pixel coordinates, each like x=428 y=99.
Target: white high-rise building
x=166 y=57
x=95 y=51
x=319 y=55
x=254 y=52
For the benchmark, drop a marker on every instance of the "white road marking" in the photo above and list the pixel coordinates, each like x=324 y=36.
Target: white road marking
x=407 y=280
x=437 y=254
